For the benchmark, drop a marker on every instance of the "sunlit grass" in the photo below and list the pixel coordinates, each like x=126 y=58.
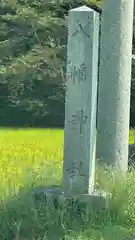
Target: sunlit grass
x=132 y=136
x=28 y=156
x=34 y=157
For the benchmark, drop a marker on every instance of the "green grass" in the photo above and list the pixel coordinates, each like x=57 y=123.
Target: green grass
x=132 y=136
x=28 y=155
x=33 y=158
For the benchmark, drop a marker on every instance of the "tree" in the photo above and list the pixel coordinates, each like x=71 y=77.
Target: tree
x=33 y=39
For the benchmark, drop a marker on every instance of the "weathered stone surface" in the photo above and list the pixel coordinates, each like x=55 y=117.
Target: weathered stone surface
x=54 y=190
x=54 y=195
x=115 y=83
x=48 y=195
x=81 y=101
x=94 y=202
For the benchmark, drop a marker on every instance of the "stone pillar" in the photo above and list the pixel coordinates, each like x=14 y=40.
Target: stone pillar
x=115 y=83
x=81 y=101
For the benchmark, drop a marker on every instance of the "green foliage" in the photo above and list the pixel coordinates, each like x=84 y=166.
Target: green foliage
x=33 y=38
x=32 y=61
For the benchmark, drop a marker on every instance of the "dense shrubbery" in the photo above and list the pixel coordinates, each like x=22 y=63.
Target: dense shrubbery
x=33 y=37
x=32 y=46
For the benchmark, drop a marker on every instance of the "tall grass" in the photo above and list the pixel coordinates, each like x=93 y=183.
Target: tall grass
x=132 y=136
x=27 y=156
x=33 y=158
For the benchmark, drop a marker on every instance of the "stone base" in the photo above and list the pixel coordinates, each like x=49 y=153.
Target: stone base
x=95 y=201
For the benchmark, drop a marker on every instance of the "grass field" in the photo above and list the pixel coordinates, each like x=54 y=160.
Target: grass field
x=32 y=158
x=132 y=136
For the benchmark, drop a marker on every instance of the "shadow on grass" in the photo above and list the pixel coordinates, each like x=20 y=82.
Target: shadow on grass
x=27 y=218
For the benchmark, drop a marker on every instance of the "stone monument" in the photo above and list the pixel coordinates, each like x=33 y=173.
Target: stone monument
x=81 y=101
x=80 y=114
x=115 y=83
